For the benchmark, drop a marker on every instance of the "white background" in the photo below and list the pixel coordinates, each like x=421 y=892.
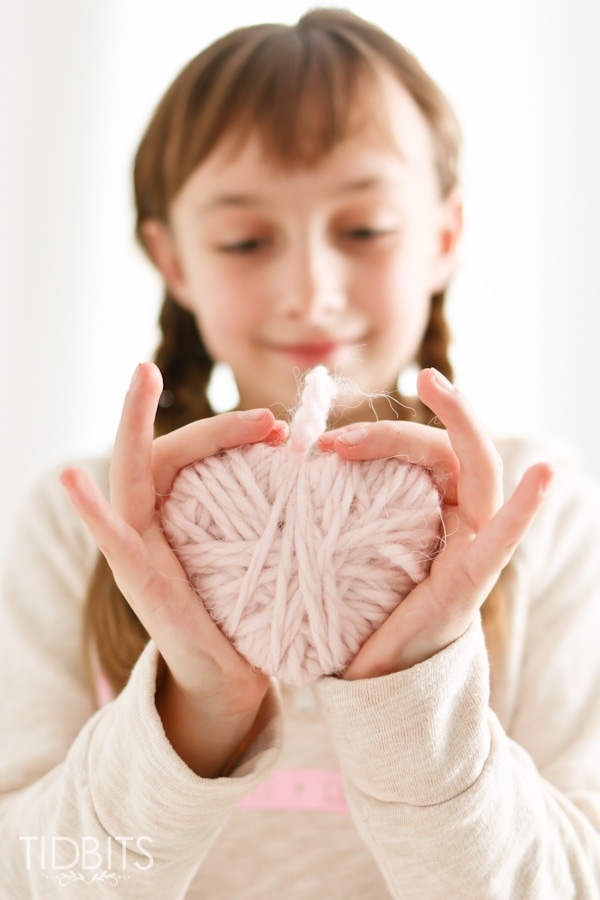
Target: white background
x=78 y=81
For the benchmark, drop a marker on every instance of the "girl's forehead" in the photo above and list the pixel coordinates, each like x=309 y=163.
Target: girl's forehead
x=363 y=165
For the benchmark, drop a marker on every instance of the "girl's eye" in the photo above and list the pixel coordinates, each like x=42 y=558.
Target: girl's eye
x=364 y=233
x=245 y=247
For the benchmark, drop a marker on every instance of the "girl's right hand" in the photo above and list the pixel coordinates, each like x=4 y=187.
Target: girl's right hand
x=208 y=696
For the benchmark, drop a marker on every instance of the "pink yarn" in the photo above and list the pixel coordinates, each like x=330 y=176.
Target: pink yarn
x=300 y=555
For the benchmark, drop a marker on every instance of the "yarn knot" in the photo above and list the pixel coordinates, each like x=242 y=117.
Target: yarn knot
x=310 y=419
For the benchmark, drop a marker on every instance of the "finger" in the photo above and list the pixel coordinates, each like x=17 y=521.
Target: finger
x=132 y=487
x=480 y=483
x=123 y=548
x=149 y=576
x=206 y=437
x=496 y=542
x=409 y=442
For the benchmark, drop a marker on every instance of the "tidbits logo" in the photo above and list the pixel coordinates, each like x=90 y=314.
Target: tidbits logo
x=64 y=859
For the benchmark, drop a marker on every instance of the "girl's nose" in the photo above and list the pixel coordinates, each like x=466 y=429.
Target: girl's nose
x=311 y=285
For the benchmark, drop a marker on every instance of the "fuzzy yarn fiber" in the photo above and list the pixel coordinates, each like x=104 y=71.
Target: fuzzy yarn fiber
x=300 y=555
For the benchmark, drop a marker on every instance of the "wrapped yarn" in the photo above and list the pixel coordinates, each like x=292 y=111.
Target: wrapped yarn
x=300 y=555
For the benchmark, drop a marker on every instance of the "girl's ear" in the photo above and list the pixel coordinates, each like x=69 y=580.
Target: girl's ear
x=161 y=249
x=449 y=232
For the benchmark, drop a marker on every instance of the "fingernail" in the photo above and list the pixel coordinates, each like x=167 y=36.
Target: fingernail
x=275 y=437
x=352 y=438
x=253 y=415
x=328 y=437
x=325 y=445
x=442 y=381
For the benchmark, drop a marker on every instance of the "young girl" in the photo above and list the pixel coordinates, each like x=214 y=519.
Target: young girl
x=297 y=190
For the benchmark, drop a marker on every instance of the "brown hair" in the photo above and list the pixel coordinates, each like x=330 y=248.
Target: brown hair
x=295 y=87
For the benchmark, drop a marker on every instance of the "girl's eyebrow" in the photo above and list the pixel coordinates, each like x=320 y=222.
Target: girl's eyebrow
x=240 y=201
x=362 y=184
x=235 y=200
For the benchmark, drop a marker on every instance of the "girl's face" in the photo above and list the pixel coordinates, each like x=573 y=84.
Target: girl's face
x=333 y=264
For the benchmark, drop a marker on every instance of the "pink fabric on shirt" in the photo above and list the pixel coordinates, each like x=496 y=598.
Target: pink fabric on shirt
x=318 y=790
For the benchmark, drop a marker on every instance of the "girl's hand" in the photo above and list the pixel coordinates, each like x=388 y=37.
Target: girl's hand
x=208 y=695
x=480 y=531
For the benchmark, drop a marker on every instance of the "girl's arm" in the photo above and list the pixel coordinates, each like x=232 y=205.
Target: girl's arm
x=452 y=801
x=87 y=792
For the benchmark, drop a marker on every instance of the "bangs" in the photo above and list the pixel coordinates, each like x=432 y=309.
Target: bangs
x=299 y=89
x=301 y=96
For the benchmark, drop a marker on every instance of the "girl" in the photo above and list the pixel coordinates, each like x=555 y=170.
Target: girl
x=297 y=190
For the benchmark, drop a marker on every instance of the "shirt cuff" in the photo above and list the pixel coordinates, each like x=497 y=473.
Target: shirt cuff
x=419 y=736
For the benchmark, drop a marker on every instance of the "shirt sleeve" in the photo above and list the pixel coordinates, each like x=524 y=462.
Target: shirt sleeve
x=78 y=785
x=451 y=802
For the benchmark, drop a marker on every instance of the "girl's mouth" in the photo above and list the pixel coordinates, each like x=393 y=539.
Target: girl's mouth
x=315 y=353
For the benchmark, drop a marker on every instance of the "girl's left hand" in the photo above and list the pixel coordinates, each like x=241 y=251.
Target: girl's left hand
x=481 y=531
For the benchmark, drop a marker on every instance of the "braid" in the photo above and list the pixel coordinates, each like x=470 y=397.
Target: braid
x=434 y=352
x=112 y=633
x=186 y=369
x=436 y=340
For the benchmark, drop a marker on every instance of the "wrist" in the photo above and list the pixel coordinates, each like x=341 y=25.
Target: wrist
x=209 y=733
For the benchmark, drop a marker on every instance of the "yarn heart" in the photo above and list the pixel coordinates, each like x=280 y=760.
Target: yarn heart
x=300 y=555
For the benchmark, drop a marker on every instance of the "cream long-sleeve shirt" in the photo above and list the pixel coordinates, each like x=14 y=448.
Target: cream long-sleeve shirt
x=445 y=795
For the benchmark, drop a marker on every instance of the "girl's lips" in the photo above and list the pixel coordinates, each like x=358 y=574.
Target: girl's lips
x=315 y=353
